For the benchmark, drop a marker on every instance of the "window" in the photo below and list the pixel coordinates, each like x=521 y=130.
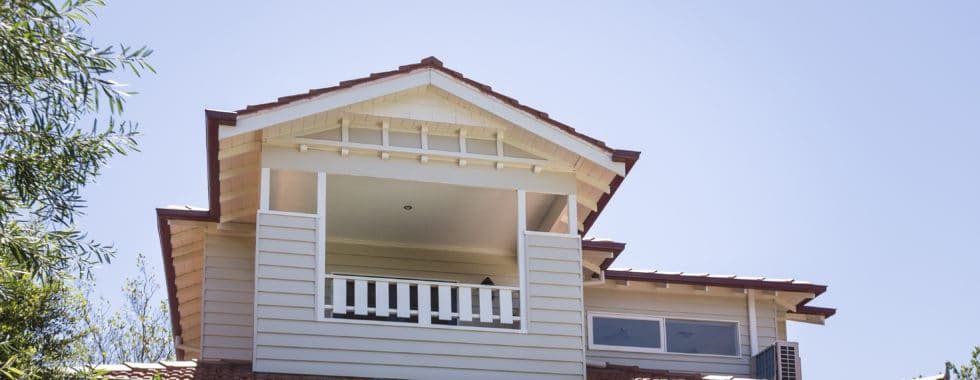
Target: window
x=652 y=334
x=626 y=332
x=702 y=337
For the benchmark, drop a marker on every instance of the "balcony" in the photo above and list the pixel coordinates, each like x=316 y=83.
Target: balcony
x=423 y=303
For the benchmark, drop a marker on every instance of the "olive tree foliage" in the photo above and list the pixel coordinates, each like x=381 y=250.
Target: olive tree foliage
x=60 y=123
x=136 y=331
x=53 y=82
x=969 y=371
x=41 y=327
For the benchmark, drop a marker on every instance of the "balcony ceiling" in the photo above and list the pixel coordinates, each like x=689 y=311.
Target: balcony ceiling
x=424 y=214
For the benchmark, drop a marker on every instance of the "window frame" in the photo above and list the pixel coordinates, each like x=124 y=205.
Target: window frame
x=663 y=334
x=595 y=346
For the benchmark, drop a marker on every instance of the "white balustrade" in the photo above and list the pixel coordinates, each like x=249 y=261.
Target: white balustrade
x=413 y=303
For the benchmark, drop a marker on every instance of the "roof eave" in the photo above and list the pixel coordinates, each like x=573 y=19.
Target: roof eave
x=616 y=248
x=801 y=308
x=629 y=158
x=213 y=120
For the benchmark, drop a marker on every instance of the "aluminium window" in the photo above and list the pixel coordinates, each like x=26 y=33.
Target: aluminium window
x=670 y=335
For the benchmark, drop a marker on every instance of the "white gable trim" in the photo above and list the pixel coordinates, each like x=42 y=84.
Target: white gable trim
x=382 y=87
x=526 y=121
x=328 y=101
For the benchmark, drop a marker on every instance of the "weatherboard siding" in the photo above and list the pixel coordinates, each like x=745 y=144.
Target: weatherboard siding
x=290 y=339
x=697 y=306
x=228 y=303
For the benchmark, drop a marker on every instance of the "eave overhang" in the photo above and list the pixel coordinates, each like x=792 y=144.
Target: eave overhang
x=801 y=309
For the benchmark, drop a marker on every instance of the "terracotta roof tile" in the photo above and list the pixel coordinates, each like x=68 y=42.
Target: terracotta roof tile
x=193 y=370
x=427 y=63
x=621 y=372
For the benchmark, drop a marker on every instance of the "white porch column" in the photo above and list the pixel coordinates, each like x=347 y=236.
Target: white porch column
x=321 y=243
x=572 y=215
x=521 y=255
x=753 y=326
x=264 y=189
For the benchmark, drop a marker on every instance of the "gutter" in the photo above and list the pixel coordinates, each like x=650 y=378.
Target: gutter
x=213 y=119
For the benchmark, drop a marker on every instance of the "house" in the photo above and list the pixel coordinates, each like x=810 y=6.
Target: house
x=416 y=223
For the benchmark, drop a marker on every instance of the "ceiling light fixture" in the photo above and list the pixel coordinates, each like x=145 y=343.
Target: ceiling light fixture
x=407 y=207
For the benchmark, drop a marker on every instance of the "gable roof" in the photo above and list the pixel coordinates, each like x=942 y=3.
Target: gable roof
x=431 y=63
x=215 y=119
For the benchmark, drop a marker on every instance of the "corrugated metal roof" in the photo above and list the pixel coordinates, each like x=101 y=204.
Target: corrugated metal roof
x=695 y=275
x=729 y=281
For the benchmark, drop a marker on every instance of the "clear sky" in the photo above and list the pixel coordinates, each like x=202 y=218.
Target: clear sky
x=830 y=141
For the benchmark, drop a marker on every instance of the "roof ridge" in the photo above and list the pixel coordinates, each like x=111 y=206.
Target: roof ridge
x=436 y=64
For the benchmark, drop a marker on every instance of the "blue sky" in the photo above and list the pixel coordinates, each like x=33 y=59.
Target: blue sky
x=830 y=141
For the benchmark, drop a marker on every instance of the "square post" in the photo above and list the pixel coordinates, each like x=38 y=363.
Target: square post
x=753 y=325
x=572 y=215
x=264 y=189
x=521 y=254
x=321 y=243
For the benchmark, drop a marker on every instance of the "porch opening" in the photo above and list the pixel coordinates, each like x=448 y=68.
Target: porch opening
x=419 y=252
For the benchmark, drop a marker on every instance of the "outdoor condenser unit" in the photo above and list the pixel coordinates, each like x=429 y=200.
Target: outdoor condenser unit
x=781 y=361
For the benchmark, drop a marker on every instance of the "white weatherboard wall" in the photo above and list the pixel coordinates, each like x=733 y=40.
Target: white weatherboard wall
x=289 y=339
x=690 y=305
x=228 y=303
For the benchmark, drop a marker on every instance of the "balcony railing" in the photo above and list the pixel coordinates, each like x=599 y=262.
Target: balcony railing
x=400 y=300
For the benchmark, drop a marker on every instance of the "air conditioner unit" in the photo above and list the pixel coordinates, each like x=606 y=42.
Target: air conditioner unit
x=781 y=361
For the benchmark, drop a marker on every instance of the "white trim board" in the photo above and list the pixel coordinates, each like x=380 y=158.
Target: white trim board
x=385 y=86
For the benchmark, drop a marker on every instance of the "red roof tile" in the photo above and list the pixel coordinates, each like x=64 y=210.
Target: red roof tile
x=622 y=372
x=193 y=370
x=427 y=63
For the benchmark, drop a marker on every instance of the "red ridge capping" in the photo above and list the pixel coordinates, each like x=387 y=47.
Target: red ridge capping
x=435 y=64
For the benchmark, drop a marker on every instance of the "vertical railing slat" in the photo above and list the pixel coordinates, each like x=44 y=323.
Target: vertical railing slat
x=362 y=294
x=506 y=306
x=381 y=298
x=486 y=305
x=339 y=296
x=465 y=304
x=425 y=306
x=360 y=297
x=445 y=303
x=404 y=310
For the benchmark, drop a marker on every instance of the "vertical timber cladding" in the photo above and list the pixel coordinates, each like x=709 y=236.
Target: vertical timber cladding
x=289 y=339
